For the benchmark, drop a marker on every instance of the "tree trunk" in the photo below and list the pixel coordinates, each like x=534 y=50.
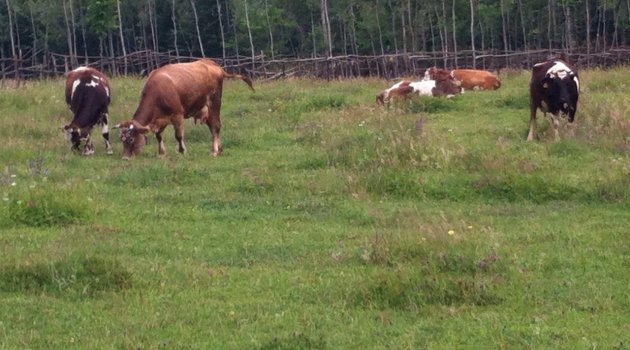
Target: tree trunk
x=75 y=61
x=68 y=31
x=394 y=36
x=313 y=35
x=445 y=40
x=192 y=3
x=522 y=16
x=34 y=57
x=270 y=30
x=221 y=28
x=122 y=37
x=326 y=27
x=251 y=40
x=174 y=30
x=588 y=34
x=454 y=32
x=472 y=32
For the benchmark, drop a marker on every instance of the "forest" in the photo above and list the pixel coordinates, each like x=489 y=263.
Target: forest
x=80 y=30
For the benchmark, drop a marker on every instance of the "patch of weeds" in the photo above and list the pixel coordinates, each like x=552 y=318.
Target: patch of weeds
x=567 y=148
x=413 y=289
x=397 y=182
x=86 y=276
x=296 y=340
x=317 y=103
x=431 y=105
x=312 y=163
x=309 y=133
x=41 y=205
x=513 y=102
x=534 y=188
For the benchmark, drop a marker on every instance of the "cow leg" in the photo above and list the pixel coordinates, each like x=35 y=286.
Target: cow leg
x=556 y=123
x=532 y=122
x=179 y=134
x=214 y=124
x=105 y=133
x=160 y=140
x=88 y=149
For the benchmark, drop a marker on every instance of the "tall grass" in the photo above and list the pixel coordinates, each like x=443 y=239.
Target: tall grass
x=328 y=223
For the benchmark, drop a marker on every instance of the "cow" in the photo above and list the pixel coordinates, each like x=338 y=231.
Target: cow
x=554 y=88
x=404 y=89
x=471 y=79
x=171 y=94
x=88 y=95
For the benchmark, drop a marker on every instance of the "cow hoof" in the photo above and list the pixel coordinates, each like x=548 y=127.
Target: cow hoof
x=126 y=158
x=110 y=152
x=88 y=153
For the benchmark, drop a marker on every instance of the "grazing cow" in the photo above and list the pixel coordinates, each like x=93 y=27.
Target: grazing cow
x=403 y=90
x=554 y=88
x=171 y=94
x=88 y=96
x=471 y=79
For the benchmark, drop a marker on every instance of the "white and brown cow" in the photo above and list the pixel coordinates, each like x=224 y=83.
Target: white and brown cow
x=88 y=97
x=171 y=94
x=554 y=89
x=403 y=90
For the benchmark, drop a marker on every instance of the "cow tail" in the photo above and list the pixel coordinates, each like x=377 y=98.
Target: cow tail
x=497 y=84
x=244 y=78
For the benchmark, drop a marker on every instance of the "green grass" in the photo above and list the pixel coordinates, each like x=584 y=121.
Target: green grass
x=328 y=223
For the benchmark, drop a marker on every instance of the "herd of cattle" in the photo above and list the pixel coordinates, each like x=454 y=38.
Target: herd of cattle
x=554 y=88
x=175 y=92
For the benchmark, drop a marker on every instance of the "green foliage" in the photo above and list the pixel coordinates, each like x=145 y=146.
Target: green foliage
x=102 y=16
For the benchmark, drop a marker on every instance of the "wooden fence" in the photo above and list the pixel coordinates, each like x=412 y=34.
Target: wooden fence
x=337 y=67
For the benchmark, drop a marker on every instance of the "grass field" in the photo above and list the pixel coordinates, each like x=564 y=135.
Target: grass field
x=327 y=223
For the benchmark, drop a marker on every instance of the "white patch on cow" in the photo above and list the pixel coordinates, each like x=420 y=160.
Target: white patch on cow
x=105 y=129
x=74 y=87
x=559 y=69
x=106 y=90
x=80 y=69
x=93 y=83
x=577 y=83
x=423 y=88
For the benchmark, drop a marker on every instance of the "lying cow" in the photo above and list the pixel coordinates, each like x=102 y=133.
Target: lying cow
x=171 y=94
x=403 y=90
x=471 y=79
x=88 y=96
x=554 y=88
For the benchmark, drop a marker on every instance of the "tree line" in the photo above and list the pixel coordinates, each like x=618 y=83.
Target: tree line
x=280 y=29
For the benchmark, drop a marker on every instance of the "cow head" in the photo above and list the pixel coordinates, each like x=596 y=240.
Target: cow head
x=133 y=137
x=74 y=135
x=561 y=88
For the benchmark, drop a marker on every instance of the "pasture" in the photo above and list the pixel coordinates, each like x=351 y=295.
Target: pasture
x=327 y=223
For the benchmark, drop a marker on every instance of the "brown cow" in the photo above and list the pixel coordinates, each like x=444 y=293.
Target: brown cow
x=88 y=96
x=171 y=94
x=471 y=79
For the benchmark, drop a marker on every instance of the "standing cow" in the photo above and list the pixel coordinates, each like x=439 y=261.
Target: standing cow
x=171 y=94
x=554 y=88
x=88 y=96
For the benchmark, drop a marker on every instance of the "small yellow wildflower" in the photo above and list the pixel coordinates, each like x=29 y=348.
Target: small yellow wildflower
x=451 y=232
